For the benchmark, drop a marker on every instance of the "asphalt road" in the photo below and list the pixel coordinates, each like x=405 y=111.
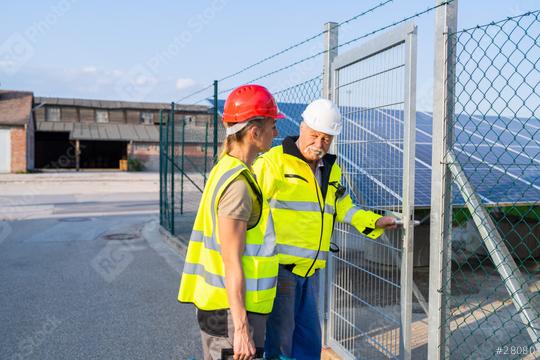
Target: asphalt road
x=80 y=276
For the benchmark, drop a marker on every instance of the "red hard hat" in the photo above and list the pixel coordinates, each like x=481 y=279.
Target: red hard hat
x=249 y=101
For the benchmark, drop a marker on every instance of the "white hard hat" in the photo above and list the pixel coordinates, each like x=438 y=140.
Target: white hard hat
x=323 y=115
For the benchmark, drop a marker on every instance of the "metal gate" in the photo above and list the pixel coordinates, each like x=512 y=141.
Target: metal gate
x=370 y=281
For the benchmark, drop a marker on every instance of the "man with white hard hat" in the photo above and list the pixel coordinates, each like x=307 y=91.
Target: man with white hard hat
x=302 y=183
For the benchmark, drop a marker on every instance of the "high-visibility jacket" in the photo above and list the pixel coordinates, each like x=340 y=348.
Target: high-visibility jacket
x=203 y=277
x=303 y=211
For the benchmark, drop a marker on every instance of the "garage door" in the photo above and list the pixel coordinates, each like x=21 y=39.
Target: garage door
x=5 y=150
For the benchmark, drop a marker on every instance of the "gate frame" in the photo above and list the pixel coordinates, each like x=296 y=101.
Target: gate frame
x=441 y=209
x=331 y=42
x=403 y=34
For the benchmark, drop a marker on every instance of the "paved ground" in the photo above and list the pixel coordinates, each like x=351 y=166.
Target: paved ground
x=84 y=273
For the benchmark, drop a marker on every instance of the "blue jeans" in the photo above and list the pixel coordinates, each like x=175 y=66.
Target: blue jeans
x=293 y=329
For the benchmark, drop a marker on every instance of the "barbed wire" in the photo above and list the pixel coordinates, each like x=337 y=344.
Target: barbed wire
x=346 y=43
x=418 y=14
x=281 y=52
x=528 y=13
x=365 y=12
x=195 y=93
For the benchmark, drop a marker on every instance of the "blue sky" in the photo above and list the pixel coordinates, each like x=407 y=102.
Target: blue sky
x=163 y=50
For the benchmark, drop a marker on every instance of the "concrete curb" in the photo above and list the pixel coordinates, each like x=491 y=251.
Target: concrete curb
x=183 y=226
x=179 y=244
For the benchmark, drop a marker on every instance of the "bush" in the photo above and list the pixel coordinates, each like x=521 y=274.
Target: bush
x=135 y=164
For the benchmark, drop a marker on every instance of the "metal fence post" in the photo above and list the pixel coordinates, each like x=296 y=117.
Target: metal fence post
x=161 y=167
x=331 y=41
x=182 y=168
x=441 y=195
x=205 y=154
x=172 y=168
x=166 y=217
x=215 y=120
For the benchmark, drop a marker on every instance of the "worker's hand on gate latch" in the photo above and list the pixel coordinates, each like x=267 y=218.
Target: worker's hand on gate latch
x=387 y=222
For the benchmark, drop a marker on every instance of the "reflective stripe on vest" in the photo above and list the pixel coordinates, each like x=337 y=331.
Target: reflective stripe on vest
x=301 y=252
x=219 y=281
x=268 y=248
x=349 y=215
x=301 y=206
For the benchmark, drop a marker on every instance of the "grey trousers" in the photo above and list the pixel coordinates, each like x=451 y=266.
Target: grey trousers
x=212 y=345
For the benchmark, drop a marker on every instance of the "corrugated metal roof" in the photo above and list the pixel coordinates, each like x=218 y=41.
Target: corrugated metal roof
x=54 y=126
x=127 y=132
x=118 y=132
x=196 y=134
x=111 y=104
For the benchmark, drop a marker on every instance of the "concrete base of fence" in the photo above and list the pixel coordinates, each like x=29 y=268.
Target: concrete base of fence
x=183 y=225
x=329 y=354
x=177 y=243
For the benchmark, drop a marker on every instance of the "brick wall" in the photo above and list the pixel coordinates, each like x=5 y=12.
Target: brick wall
x=148 y=153
x=18 y=149
x=194 y=158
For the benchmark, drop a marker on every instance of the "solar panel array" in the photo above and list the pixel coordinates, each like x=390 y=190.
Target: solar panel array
x=500 y=159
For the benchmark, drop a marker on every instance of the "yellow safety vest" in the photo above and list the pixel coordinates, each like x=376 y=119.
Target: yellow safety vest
x=303 y=218
x=203 y=277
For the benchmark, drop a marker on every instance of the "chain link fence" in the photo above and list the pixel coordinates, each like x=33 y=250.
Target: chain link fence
x=492 y=293
x=187 y=154
x=292 y=102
